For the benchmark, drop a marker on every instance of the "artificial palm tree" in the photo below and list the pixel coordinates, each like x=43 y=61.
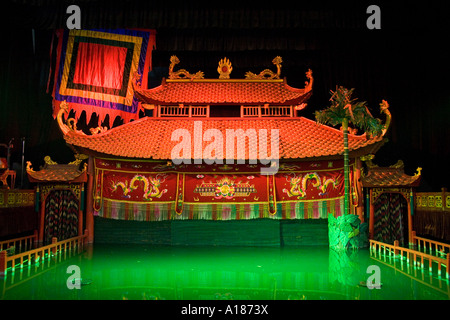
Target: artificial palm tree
x=345 y=110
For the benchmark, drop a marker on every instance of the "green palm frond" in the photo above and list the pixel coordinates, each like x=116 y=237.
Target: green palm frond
x=342 y=111
x=343 y=106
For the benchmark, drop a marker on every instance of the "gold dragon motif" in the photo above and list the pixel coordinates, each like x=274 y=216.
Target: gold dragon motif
x=267 y=74
x=298 y=184
x=182 y=73
x=151 y=186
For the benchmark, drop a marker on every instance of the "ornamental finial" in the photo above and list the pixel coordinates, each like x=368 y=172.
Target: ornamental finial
x=224 y=69
x=49 y=160
x=384 y=108
x=309 y=84
x=419 y=172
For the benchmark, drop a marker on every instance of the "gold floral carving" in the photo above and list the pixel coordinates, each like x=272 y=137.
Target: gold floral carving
x=182 y=73
x=97 y=130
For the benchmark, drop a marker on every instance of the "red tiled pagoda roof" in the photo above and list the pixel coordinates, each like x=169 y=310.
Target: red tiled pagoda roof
x=150 y=138
x=207 y=92
x=58 y=173
x=393 y=176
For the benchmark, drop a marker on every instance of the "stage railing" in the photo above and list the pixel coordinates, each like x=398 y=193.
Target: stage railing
x=428 y=279
x=415 y=257
x=20 y=244
x=432 y=246
x=266 y=111
x=40 y=253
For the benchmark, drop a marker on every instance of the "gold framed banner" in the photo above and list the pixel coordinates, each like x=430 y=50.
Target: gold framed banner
x=95 y=70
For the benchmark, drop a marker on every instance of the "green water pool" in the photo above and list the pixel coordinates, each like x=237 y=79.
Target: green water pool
x=137 y=272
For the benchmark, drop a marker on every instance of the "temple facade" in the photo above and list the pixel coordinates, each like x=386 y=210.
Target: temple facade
x=219 y=149
x=59 y=198
x=390 y=201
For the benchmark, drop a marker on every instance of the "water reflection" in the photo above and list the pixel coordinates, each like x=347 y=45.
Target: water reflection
x=219 y=273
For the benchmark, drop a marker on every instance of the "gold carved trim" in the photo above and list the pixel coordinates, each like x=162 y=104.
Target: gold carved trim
x=376 y=192
x=226 y=80
x=10 y=198
x=98 y=130
x=47 y=188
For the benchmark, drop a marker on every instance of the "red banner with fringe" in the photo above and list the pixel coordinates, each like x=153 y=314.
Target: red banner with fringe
x=303 y=190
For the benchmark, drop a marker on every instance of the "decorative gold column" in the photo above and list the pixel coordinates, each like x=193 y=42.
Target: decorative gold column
x=359 y=190
x=410 y=224
x=90 y=201
x=372 y=214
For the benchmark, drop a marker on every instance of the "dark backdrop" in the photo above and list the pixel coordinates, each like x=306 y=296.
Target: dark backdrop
x=406 y=63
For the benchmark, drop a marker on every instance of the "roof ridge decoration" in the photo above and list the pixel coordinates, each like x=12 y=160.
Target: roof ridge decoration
x=384 y=108
x=391 y=176
x=224 y=69
x=52 y=171
x=309 y=83
x=398 y=166
x=49 y=162
x=79 y=157
x=69 y=124
x=267 y=74
x=182 y=73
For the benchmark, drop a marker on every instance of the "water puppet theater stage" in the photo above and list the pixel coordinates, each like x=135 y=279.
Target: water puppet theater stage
x=217 y=180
